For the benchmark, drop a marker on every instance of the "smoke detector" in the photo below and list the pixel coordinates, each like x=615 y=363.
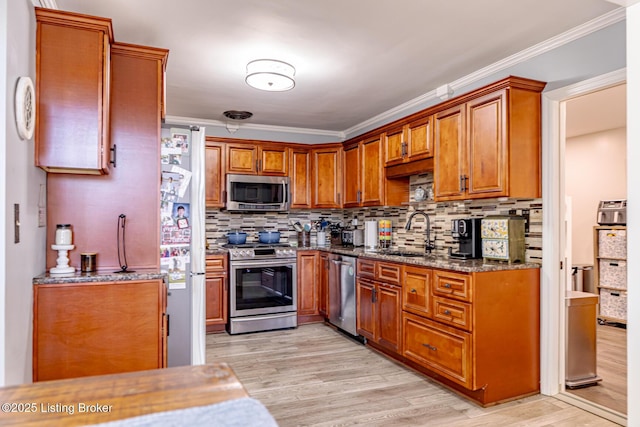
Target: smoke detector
x=237 y=115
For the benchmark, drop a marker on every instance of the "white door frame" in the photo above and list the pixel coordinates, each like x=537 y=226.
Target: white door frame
x=553 y=278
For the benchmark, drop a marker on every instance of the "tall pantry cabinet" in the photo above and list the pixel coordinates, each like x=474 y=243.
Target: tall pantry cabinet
x=93 y=203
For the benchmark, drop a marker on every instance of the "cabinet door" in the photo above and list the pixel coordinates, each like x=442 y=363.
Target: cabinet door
x=327 y=177
x=73 y=93
x=214 y=175
x=371 y=173
x=323 y=300
x=307 y=283
x=420 y=139
x=273 y=160
x=216 y=301
x=389 y=321
x=300 y=178
x=487 y=146
x=94 y=333
x=394 y=146
x=352 y=174
x=444 y=350
x=450 y=176
x=416 y=290
x=366 y=324
x=242 y=158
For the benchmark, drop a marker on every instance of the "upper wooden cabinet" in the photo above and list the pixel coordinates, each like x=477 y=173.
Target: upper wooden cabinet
x=73 y=74
x=489 y=145
x=327 y=176
x=410 y=142
x=300 y=177
x=257 y=159
x=214 y=174
x=363 y=173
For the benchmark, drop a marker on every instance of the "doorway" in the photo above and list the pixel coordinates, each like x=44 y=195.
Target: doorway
x=595 y=171
x=556 y=240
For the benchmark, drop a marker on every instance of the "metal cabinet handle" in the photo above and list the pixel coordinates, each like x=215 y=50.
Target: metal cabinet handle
x=413 y=291
x=463 y=182
x=447 y=312
x=430 y=347
x=113 y=155
x=447 y=285
x=358 y=196
x=373 y=295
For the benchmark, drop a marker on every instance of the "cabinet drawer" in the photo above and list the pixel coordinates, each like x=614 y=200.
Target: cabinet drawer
x=444 y=350
x=416 y=294
x=366 y=268
x=216 y=263
x=452 y=312
x=390 y=273
x=452 y=285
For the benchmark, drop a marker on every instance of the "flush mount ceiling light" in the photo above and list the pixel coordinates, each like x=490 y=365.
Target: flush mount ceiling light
x=271 y=75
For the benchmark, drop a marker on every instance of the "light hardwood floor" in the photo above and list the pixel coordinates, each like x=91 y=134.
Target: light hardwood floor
x=315 y=376
x=611 y=392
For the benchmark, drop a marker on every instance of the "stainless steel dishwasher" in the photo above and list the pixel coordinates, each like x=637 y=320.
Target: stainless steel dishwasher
x=342 y=292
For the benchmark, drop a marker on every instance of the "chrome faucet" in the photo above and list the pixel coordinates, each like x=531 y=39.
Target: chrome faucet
x=428 y=247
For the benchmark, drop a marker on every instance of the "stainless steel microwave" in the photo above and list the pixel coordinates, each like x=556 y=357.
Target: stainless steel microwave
x=257 y=193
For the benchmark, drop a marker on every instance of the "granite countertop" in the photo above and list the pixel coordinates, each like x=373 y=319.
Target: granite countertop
x=98 y=276
x=442 y=262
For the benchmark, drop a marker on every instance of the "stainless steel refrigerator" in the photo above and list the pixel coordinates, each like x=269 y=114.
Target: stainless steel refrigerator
x=182 y=242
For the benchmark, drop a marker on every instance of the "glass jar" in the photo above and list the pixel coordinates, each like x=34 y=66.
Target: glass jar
x=63 y=234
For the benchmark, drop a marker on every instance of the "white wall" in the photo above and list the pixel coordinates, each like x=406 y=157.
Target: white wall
x=21 y=181
x=595 y=169
x=633 y=246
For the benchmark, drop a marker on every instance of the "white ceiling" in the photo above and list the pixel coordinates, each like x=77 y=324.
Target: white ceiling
x=355 y=59
x=596 y=112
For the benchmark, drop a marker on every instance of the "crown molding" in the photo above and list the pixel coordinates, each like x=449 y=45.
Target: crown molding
x=49 y=4
x=255 y=127
x=587 y=28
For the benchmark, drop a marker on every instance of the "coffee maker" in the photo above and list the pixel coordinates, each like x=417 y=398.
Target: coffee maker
x=467 y=232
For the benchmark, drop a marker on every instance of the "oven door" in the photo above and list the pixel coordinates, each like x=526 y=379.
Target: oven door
x=262 y=287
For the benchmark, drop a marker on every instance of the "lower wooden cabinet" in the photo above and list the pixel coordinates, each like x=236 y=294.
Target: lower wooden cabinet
x=323 y=296
x=97 y=328
x=379 y=313
x=445 y=350
x=216 y=293
x=308 y=287
x=481 y=335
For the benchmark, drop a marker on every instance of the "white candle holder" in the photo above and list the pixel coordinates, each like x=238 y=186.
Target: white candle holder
x=62 y=260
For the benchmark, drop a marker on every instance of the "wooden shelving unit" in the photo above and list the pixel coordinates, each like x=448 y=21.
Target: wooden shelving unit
x=610 y=272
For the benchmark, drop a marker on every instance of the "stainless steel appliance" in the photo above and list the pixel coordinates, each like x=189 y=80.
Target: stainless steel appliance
x=581 y=360
x=257 y=193
x=353 y=237
x=612 y=212
x=262 y=288
x=182 y=243
x=342 y=292
x=467 y=232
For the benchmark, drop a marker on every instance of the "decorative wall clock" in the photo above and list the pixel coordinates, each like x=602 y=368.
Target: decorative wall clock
x=25 y=107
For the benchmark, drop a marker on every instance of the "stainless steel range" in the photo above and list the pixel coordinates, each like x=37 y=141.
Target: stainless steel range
x=262 y=294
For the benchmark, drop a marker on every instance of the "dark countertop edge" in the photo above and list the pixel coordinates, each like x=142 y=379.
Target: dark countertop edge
x=98 y=276
x=441 y=262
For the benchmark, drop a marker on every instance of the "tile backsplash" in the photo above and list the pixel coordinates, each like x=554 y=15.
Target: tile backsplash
x=219 y=222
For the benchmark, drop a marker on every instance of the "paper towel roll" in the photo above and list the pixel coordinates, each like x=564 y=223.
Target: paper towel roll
x=371 y=234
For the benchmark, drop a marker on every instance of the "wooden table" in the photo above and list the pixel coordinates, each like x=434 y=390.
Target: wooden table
x=97 y=399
